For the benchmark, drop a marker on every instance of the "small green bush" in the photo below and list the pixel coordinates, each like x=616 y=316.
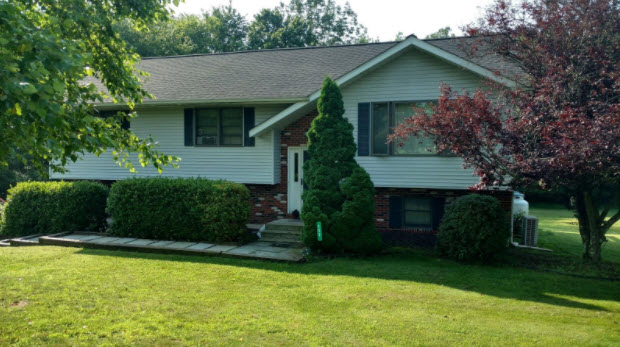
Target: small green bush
x=474 y=228
x=192 y=209
x=356 y=222
x=52 y=207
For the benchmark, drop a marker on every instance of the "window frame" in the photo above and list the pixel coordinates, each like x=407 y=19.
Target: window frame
x=431 y=210
x=219 y=127
x=392 y=125
x=372 y=138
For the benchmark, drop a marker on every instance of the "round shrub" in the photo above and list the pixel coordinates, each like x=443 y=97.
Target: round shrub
x=53 y=207
x=474 y=228
x=191 y=209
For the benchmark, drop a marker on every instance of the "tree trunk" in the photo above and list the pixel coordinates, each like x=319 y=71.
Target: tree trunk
x=596 y=229
x=592 y=224
x=584 y=229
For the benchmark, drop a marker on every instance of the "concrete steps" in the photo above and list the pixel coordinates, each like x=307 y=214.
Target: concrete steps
x=283 y=232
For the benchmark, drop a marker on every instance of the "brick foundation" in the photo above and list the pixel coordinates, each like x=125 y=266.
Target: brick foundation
x=420 y=237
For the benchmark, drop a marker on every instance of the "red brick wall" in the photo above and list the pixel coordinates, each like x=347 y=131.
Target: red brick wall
x=269 y=202
x=382 y=196
x=418 y=237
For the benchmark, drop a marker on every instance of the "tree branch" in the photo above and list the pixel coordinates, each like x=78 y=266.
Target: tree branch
x=604 y=214
x=606 y=225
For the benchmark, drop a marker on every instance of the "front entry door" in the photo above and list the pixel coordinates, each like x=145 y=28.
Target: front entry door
x=295 y=178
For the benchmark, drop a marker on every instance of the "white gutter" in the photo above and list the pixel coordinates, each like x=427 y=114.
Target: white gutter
x=202 y=102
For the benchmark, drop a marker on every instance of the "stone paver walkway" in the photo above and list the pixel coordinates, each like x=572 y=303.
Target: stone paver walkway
x=257 y=250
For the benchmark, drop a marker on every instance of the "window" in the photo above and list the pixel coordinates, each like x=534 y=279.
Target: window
x=219 y=127
x=384 y=117
x=418 y=212
x=107 y=114
x=413 y=145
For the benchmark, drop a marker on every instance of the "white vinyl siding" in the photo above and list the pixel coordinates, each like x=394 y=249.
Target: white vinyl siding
x=258 y=164
x=413 y=76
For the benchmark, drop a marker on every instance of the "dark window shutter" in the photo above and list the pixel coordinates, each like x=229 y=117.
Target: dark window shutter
x=189 y=126
x=248 y=123
x=363 y=129
x=396 y=211
x=439 y=205
x=125 y=124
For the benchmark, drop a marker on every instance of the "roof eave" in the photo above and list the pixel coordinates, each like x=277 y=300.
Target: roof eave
x=199 y=102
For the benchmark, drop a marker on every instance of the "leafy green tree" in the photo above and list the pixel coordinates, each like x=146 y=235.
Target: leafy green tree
x=226 y=29
x=223 y=29
x=340 y=194
x=270 y=29
x=19 y=171
x=442 y=33
x=302 y=23
x=186 y=34
x=48 y=50
x=329 y=22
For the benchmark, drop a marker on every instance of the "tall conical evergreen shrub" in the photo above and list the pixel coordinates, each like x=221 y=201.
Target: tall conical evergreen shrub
x=341 y=200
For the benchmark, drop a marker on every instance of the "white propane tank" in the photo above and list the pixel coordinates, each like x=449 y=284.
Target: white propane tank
x=520 y=207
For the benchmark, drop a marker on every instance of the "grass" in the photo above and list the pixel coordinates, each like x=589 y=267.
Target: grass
x=558 y=230
x=54 y=295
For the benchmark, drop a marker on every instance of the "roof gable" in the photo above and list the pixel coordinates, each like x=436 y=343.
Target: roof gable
x=283 y=118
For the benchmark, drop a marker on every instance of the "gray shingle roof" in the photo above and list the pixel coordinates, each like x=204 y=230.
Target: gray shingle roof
x=459 y=46
x=266 y=74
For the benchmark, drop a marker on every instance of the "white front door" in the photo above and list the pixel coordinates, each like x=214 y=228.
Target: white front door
x=295 y=178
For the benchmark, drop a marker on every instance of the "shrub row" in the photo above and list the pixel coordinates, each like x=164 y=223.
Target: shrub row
x=192 y=209
x=157 y=208
x=51 y=207
x=474 y=227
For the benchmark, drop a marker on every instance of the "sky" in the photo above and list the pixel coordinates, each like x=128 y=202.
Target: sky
x=383 y=18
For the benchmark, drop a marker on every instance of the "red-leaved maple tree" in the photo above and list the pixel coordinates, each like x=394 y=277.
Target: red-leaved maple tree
x=560 y=127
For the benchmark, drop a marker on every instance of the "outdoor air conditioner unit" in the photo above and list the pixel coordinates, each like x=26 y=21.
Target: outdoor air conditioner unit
x=529 y=231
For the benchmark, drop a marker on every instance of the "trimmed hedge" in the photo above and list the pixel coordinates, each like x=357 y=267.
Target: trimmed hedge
x=52 y=207
x=474 y=228
x=192 y=209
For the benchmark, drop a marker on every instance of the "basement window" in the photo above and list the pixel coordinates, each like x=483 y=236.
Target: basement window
x=418 y=212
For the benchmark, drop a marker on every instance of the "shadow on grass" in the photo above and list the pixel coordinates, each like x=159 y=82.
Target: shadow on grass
x=498 y=281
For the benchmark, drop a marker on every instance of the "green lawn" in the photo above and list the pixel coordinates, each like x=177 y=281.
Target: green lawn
x=54 y=295
x=558 y=230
